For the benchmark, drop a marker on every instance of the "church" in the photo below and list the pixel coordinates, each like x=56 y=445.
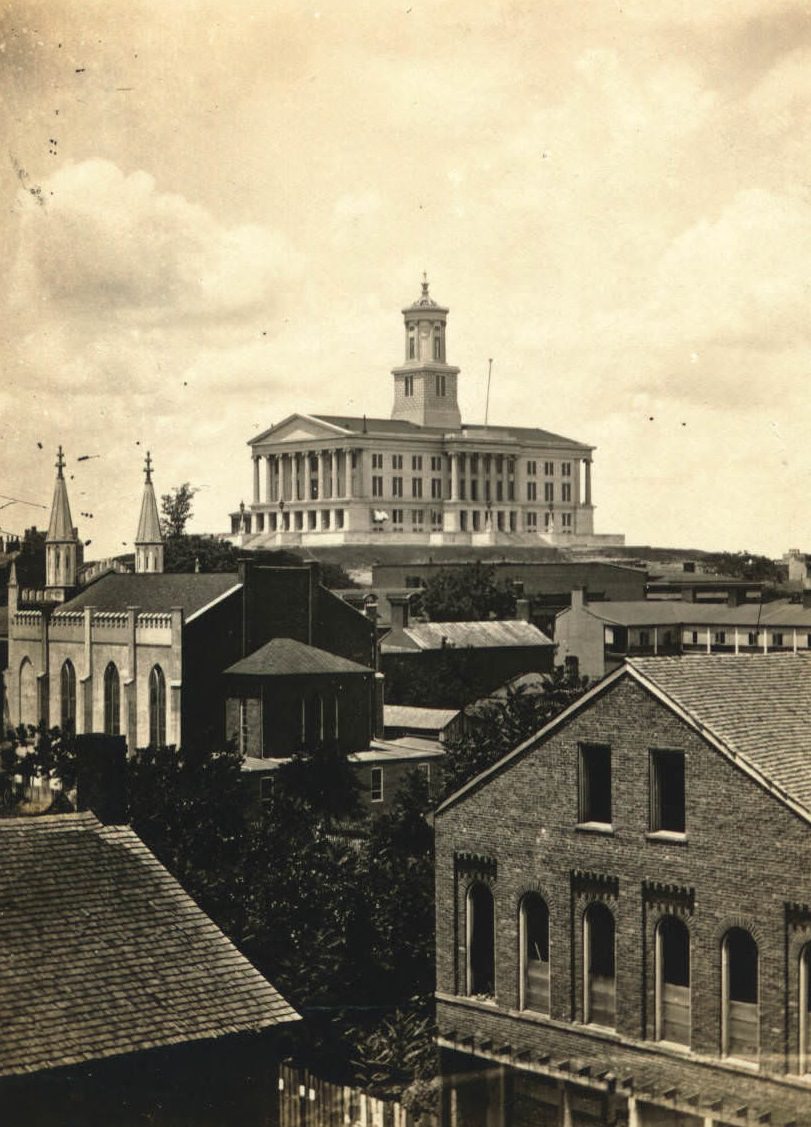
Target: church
x=142 y=655
x=420 y=477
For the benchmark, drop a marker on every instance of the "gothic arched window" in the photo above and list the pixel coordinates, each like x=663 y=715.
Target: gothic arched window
x=740 y=995
x=67 y=687
x=157 y=707
x=481 y=940
x=112 y=701
x=28 y=694
x=599 y=965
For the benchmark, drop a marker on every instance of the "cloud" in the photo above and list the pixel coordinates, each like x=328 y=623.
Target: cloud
x=98 y=243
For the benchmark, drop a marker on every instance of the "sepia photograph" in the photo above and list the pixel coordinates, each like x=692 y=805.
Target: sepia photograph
x=405 y=563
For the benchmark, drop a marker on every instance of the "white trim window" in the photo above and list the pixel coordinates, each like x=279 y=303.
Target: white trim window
x=376 y=784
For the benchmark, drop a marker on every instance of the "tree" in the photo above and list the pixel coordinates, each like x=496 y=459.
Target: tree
x=203 y=553
x=469 y=593
x=497 y=726
x=176 y=509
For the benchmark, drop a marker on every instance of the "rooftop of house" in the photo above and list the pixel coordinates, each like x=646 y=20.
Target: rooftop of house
x=105 y=954
x=654 y=612
x=152 y=593
x=286 y=657
x=489 y=634
x=412 y=716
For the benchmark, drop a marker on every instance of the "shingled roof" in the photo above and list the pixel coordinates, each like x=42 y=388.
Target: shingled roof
x=287 y=657
x=756 y=705
x=105 y=954
x=153 y=593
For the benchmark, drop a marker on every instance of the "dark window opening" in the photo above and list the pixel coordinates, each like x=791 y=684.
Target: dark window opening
x=68 y=693
x=535 y=955
x=595 y=784
x=112 y=702
x=673 y=952
x=740 y=1010
x=667 y=791
x=600 y=966
x=481 y=941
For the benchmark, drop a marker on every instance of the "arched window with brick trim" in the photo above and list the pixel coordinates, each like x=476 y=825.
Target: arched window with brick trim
x=805 y=1009
x=599 y=965
x=534 y=938
x=481 y=940
x=157 y=707
x=740 y=1010
x=673 y=981
x=112 y=701
x=67 y=697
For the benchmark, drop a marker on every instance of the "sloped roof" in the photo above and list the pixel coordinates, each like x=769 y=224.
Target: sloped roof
x=360 y=424
x=286 y=657
x=757 y=705
x=155 y=592
x=406 y=747
x=412 y=716
x=105 y=954
x=149 y=528
x=656 y=612
x=479 y=635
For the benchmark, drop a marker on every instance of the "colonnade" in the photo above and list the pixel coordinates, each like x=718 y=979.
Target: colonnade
x=292 y=477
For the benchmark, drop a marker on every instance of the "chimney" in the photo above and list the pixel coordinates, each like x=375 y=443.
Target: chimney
x=522 y=610
x=399 y=611
x=736 y=597
x=101 y=777
x=378 y=724
x=579 y=598
x=807 y=596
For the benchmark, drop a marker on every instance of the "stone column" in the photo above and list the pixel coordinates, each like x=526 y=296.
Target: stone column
x=350 y=478
x=588 y=480
x=454 y=476
x=333 y=484
x=268 y=478
x=322 y=474
x=256 y=480
x=294 y=468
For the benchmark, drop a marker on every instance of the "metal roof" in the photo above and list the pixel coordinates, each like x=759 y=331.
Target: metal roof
x=411 y=716
x=478 y=635
x=154 y=592
x=680 y=613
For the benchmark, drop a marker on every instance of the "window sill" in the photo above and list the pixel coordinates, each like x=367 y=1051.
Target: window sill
x=742 y=1062
x=595 y=828
x=672 y=837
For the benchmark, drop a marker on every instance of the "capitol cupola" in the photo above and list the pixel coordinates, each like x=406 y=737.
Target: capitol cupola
x=425 y=389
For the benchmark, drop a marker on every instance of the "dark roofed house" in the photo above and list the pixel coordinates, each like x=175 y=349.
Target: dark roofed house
x=450 y=664
x=118 y=994
x=623 y=905
x=289 y=697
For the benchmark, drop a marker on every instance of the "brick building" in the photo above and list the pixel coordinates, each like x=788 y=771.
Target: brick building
x=623 y=921
x=421 y=476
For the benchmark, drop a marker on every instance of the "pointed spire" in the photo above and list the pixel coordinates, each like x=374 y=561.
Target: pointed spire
x=61 y=523
x=149 y=528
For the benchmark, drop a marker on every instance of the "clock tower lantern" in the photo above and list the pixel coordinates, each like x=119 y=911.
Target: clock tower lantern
x=425 y=384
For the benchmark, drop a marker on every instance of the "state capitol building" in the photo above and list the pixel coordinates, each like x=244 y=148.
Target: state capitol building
x=422 y=476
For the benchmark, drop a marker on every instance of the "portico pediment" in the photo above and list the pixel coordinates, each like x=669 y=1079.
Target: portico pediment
x=297 y=428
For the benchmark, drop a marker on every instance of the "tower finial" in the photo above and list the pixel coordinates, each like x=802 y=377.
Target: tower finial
x=148 y=466
x=60 y=462
x=424 y=283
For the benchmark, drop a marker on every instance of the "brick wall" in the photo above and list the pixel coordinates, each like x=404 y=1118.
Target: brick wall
x=741 y=863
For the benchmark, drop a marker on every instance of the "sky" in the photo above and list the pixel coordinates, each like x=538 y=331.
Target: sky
x=212 y=215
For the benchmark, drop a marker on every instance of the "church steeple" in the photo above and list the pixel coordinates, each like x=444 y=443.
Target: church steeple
x=148 y=539
x=62 y=540
x=425 y=384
